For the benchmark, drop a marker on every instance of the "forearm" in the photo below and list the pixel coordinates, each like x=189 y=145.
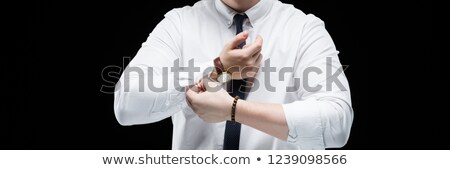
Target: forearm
x=135 y=103
x=266 y=117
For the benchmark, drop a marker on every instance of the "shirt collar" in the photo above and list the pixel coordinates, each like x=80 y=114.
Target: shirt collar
x=254 y=14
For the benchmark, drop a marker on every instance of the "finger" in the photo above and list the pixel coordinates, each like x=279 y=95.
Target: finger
x=258 y=59
x=243 y=53
x=253 y=60
x=201 y=86
x=254 y=56
x=189 y=104
x=254 y=47
x=238 y=39
x=188 y=101
x=190 y=95
x=191 y=87
x=195 y=88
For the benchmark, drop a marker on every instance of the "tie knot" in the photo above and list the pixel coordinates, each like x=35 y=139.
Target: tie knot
x=239 y=19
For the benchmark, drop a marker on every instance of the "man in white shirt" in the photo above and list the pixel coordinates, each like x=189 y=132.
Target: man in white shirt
x=300 y=98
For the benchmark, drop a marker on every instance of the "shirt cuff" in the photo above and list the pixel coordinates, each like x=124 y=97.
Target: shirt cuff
x=305 y=124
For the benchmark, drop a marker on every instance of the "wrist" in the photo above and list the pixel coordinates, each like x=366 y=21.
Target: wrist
x=218 y=65
x=220 y=74
x=223 y=62
x=226 y=109
x=233 y=109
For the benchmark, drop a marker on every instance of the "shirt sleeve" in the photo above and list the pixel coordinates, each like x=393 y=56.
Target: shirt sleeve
x=150 y=88
x=322 y=115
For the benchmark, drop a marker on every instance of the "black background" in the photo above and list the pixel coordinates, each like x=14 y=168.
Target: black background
x=54 y=53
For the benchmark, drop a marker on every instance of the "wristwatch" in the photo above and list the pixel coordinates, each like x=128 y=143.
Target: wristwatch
x=220 y=74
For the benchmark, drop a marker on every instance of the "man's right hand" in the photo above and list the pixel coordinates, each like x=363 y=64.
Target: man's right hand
x=242 y=63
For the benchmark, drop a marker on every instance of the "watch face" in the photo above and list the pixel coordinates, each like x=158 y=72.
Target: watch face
x=224 y=77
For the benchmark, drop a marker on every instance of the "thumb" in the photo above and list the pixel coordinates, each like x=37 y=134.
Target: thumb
x=238 y=39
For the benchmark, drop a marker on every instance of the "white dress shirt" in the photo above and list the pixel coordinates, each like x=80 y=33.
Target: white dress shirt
x=316 y=119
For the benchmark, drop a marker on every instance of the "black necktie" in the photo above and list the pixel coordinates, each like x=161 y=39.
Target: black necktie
x=237 y=88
